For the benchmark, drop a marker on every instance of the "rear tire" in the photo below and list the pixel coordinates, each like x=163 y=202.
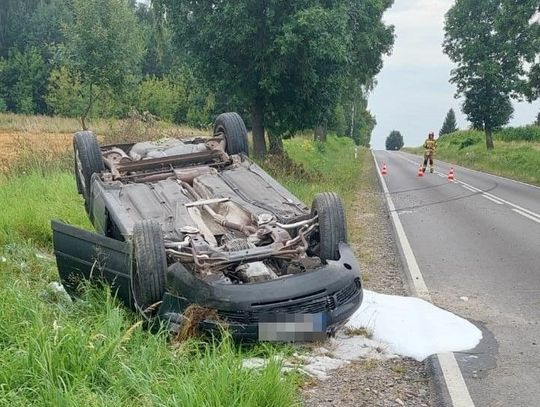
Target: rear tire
x=148 y=272
x=332 y=225
x=88 y=161
x=234 y=130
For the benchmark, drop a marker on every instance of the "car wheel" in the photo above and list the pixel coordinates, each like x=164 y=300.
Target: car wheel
x=332 y=226
x=150 y=266
x=234 y=130
x=88 y=161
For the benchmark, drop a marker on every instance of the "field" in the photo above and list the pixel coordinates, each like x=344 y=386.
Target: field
x=92 y=351
x=519 y=159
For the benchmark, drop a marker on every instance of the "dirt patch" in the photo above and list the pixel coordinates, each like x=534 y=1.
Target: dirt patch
x=370 y=382
x=14 y=144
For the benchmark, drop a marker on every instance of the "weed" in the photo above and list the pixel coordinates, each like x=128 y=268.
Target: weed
x=359 y=332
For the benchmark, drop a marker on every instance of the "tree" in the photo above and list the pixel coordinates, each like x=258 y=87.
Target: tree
x=283 y=61
x=394 y=141
x=277 y=59
x=103 y=47
x=14 y=22
x=493 y=42
x=23 y=79
x=449 y=125
x=537 y=122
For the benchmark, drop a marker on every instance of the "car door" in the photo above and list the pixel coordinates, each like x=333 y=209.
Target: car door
x=83 y=255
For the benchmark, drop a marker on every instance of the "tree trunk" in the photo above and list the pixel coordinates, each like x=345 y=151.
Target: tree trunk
x=320 y=133
x=489 y=139
x=276 y=144
x=259 y=142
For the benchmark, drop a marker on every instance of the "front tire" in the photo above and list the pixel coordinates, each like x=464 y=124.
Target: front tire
x=234 y=130
x=332 y=225
x=148 y=272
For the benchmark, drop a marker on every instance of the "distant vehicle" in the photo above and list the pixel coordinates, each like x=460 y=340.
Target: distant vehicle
x=182 y=222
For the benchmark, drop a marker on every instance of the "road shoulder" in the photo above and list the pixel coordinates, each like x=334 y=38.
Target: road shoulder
x=369 y=382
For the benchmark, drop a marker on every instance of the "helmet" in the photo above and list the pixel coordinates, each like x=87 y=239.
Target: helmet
x=431 y=134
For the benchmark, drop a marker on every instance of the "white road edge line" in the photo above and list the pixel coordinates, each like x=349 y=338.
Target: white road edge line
x=455 y=383
x=491 y=199
x=526 y=215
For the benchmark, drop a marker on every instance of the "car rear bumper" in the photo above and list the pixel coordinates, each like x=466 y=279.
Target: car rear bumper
x=328 y=296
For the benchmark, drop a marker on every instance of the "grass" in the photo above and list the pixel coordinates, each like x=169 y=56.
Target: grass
x=318 y=167
x=31 y=200
x=519 y=160
x=92 y=351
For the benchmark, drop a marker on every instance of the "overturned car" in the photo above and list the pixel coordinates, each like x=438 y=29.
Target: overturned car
x=196 y=222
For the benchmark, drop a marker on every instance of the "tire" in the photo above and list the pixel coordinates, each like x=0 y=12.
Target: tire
x=88 y=161
x=233 y=128
x=148 y=272
x=332 y=225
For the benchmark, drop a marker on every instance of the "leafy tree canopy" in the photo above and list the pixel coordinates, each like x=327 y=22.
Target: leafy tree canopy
x=394 y=141
x=493 y=42
x=103 y=46
x=285 y=62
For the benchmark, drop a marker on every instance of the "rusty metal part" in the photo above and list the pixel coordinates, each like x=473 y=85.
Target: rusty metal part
x=112 y=158
x=184 y=159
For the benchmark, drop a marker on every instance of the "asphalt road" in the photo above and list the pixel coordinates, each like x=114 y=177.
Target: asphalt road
x=477 y=243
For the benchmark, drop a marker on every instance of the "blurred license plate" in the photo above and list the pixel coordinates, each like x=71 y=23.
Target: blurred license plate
x=293 y=327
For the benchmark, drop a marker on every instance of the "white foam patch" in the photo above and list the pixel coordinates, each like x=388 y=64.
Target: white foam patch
x=413 y=327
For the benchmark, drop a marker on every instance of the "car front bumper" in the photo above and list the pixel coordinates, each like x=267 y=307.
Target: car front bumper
x=301 y=307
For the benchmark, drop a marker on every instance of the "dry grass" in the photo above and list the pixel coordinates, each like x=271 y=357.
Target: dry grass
x=36 y=124
x=193 y=316
x=42 y=141
x=366 y=333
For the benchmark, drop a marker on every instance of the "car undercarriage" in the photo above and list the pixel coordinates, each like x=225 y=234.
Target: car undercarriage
x=196 y=222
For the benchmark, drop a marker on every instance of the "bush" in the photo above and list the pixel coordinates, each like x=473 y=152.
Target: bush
x=161 y=97
x=469 y=141
x=65 y=97
x=64 y=93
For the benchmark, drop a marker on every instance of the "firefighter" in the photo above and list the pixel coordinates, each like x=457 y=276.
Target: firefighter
x=429 y=152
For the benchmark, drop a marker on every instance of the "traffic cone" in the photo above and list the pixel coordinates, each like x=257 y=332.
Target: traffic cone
x=384 y=171
x=451 y=176
x=421 y=171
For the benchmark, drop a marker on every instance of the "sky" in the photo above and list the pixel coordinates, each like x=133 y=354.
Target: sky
x=413 y=94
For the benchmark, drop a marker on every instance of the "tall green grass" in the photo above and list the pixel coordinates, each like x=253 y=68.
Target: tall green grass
x=93 y=352
x=320 y=167
x=29 y=201
x=518 y=160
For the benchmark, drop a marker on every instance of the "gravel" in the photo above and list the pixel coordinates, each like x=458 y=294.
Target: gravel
x=370 y=382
